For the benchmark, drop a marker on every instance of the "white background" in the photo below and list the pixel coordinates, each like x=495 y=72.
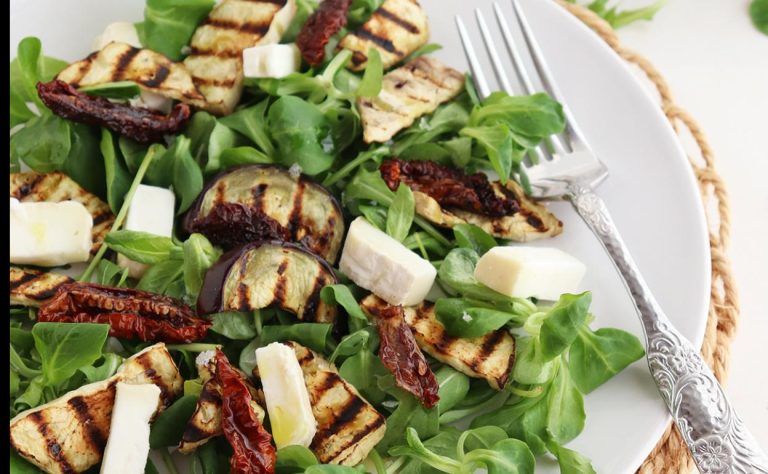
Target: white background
x=716 y=64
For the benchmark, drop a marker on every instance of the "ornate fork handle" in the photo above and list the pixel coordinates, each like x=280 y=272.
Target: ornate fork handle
x=708 y=423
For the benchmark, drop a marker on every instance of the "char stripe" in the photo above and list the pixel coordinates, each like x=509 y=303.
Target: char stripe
x=369 y=428
x=295 y=219
x=94 y=436
x=102 y=217
x=26 y=276
x=259 y=28
x=243 y=302
x=281 y=284
x=207 y=81
x=347 y=415
x=28 y=188
x=54 y=448
x=45 y=293
x=160 y=76
x=123 y=62
x=193 y=434
x=154 y=376
x=401 y=22
x=383 y=43
x=195 y=51
x=358 y=58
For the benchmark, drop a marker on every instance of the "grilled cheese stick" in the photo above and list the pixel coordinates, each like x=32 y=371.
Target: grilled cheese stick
x=396 y=29
x=216 y=58
x=31 y=287
x=348 y=427
x=152 y=71
x=69 y=434
x=489 y=357
x=406 y=94
x=56 y=187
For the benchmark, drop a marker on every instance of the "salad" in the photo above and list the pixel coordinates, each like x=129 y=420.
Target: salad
x=277 y=236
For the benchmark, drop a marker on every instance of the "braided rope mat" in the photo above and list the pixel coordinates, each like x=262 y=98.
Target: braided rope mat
x=671 y=454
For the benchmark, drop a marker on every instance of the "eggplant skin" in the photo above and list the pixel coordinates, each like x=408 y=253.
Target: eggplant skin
x=269 y=273
x=260 y=202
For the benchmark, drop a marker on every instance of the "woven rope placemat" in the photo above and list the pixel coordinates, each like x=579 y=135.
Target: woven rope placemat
x=671 y=454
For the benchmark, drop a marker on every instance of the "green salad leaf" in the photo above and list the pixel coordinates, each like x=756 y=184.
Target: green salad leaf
x=168 y=24
x=122 y=90
x=66 y=347
x=758 y=11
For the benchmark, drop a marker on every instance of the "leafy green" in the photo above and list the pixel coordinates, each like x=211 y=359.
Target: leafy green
x=409 y=414
x=471 y=318
x=351 y=344
x=251 y=123
x=65 y=347
x=19 y=465
x=570 y=461
x=565 y=407
x=106 y=369
x=562 y=323
x=168 y=24
x=118 y=178
x=453 y=387
x=316 y=336
x=473 y=237
x=597 y=356
x=370 y=85
x=169 y=426
x=400 y=214
x=109 y=274
x=122 y=90
x=26 y=70
x=43 y=144
x=341 y=295
x=618 y=18
x=140 y=246
x=233 y=325
x=199 y=256
x=294 y=460
x=458 y=272
x=363 y=370
x=304 y=8
x=758 y=11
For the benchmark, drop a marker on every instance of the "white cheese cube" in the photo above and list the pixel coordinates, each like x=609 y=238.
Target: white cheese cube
x=50 y=233
x=272 y=60
x=118 y=32
x=524 y=272
x=152 y=211
x=128 y=444
x=290 y=412
x=384 y=266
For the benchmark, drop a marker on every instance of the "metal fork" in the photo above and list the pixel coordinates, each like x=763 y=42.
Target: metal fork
x=713 y=431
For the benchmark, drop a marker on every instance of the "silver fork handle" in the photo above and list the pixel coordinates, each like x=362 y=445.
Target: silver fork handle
x=713 y=431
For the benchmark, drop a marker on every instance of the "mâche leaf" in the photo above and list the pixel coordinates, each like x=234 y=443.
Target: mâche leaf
x=66 y=347
x=168 y=24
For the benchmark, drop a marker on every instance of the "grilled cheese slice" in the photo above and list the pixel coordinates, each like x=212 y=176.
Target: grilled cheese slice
x=216 y=57
x=396 y=29
x=489 y=357
x=152 y=71
x=30 y=287
x=348 y=427
x=70 y=433
x=406 y=94
x=56 y=187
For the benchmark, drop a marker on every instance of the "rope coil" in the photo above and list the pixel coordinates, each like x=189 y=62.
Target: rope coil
x=671 y=454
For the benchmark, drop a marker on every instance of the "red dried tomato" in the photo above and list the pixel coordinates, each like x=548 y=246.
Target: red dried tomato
x=326 y=21
x=252 y=444
x=131 y=314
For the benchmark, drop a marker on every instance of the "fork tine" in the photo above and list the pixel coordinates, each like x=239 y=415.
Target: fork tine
x=498 y=68
x=474 y=65
x=520 y=70
x=546 y=77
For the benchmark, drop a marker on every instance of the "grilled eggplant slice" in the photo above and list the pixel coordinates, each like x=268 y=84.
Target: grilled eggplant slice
x=30 y=287
x=263 y=274
x=217 y=45
x=69 y=434
x=348 y=427
x=206 y=420
x=489 y=357
x=258 y=202
x=396 y=29
x=406 y=94
x=56 y=187
x=152 y=71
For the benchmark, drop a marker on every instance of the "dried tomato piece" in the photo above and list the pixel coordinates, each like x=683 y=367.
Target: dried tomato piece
x=252 y=444
x=401 y=356
x=326 y=21
x=141 y=125
x=131 y=314
x=450 y=187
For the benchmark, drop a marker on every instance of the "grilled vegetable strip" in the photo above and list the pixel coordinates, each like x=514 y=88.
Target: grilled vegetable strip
x=122 y=62
x=254 y=453
x=326 y=21
x=31 y=287
x=448 y=197
x=69 y=434
x=401 y=355
x=407 y=93
x=56 y=187
x=141 y=125
x=397 y=28
x=131 y=314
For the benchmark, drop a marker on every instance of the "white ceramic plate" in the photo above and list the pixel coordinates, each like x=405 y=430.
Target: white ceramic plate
x=651 y=192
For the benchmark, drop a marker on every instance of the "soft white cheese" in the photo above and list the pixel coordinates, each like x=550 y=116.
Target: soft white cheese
x=384 y=266
x=524 y=272
x=118 y=32
x=288 y=406
x=153 y=101
x=50 y=233
x=128 y=444
x=152 y=211
x=280 y=23
x=272 y=60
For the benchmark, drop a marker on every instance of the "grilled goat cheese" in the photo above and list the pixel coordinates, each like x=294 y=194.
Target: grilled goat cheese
x=57 y=187
x=30 y=287
x=152 y=71
x=216 y=58
x=70 y=433
x=396 y=29
x=406 y=94
x=489 y=357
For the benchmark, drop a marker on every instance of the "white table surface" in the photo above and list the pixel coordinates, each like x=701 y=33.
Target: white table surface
x=716 y=65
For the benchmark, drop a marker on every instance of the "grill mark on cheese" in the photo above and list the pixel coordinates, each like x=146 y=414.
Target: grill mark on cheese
x=27 y=188
x=394 y=18
x=123 y=62
x=254 y=28
x=93 y=435
x=370 y=427
x=102 y=218
x=198 y=51
x=53 y=446
x=384 y=43
x=161 y=74
x=20 y=277
x=157 y=379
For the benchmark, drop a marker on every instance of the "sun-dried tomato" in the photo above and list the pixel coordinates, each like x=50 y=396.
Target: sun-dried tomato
x=139 y=124
x=229 y=224
x=252 y=444
x=401 y=355
x=131 y=314
x=326 y=21
x=450 y=187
